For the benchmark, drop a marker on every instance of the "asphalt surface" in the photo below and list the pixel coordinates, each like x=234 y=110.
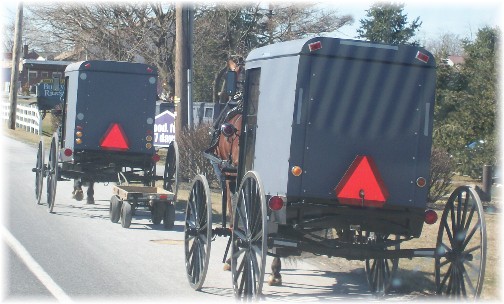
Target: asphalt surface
x=80 y=255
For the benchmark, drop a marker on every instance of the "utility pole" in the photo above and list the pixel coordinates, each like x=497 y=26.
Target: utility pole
x=181 y=66
x=190 y=63
x=270 y=23
x=16 y=54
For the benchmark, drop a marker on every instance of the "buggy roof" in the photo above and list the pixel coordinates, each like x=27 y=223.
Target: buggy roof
x=345 y=48
x=112 y=66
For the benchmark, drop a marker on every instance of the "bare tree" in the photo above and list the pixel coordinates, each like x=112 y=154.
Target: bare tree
x=446 y=44
x=145 y=32
x=229 y=30
x=140 y=32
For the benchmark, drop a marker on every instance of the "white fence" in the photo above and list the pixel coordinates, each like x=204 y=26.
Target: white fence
x=27 y=117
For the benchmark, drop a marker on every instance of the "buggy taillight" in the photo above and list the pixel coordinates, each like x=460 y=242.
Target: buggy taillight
x=315 y=46
x=68 y=152
x=276 y=203
x=156 y=158
x=422 y=57
x=430 y=217
x=296 y=171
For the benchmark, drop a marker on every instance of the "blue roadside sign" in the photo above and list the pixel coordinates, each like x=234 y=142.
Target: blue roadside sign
x=49 y=96
x=164 y=129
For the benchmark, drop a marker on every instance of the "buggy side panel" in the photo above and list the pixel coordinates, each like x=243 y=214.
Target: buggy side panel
x=276 y=91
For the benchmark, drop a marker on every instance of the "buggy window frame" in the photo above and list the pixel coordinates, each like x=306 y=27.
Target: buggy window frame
x=64 y=112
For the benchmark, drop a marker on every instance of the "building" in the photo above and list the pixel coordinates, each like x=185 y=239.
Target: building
x=454 y=61
x=33 y=68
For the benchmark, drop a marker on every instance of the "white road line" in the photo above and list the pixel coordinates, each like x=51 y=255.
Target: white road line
x=34 y=267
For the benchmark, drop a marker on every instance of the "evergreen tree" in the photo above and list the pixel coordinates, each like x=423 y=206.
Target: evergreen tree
x=385 y=22
x=466 y=109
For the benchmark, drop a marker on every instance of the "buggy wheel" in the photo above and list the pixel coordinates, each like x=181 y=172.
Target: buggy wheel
x=156 y=213
x=170 y=175
x=380 y=272
x=39 y=172
x=249 y=235
x=126 y=214
x=198 y=232
x=169 y=216
x=461 y=246
x=115 y=209
x=52 y=173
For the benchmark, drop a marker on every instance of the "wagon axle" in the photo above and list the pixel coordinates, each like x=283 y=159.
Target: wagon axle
x=42 y=170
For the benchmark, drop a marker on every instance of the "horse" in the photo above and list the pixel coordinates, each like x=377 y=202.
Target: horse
x=228 y=150
x=78 y=194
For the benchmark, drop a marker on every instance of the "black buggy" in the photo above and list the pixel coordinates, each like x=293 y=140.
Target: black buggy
x=335 y=137
x=106 y=135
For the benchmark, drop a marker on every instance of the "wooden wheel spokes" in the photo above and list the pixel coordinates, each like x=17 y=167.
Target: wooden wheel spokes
x=380 y=272
x=248 y=251
x=170 y=175
x=461 y=246
x=52 y=173
x=39 y=172
x=198 y=232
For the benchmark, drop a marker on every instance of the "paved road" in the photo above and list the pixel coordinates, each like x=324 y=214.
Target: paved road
x=81 y=255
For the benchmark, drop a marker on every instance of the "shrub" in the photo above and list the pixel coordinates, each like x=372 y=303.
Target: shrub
x=441 y=173
x=191 y=144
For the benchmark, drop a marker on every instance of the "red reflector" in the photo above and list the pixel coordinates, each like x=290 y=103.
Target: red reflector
x=114 y=138
x=422 y=57
x=156 y=158
x=315 y=46
x=68 y=152
x=362 y=184
x=78 y=128
x=149 y=70
x=275 y=203
x=87 y=65
x=430 y=217
x=421 y=182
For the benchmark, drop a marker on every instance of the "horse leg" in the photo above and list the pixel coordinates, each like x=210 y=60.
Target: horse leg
x=77 y=193
x=227 y=264
x=275 y=278
x=90 y=194
x=229 y=204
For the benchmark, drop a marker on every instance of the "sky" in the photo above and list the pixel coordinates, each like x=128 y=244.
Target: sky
x=460 y=17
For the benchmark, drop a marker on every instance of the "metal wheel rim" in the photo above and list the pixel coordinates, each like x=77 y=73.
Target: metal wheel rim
x=198 y=232
x=156 y=215
x=249 y=235
x=170 y=175
x=39 y=174
x=460 y=257
x=52 y=176
x=380 y=272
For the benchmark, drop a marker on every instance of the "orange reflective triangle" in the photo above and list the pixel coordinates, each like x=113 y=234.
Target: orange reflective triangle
x=114 y=138
x=362 y=184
